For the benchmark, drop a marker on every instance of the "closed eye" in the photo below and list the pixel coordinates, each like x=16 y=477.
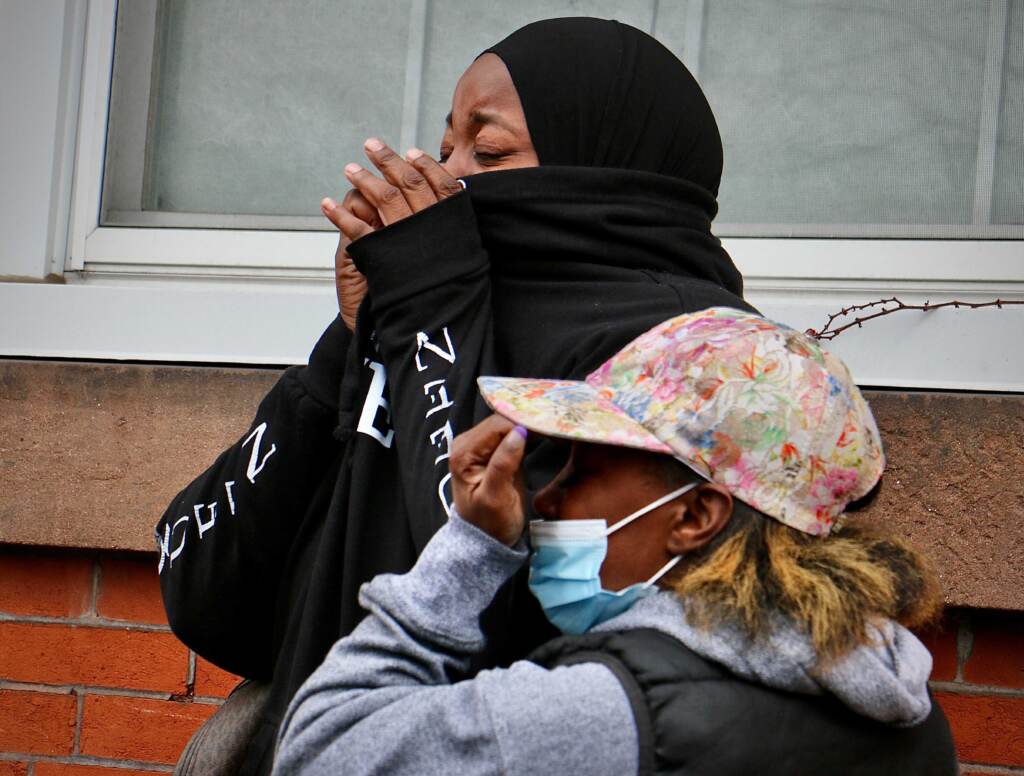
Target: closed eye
x=488 y=158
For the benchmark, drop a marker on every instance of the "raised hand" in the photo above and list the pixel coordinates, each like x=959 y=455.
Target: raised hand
x=408 y=186
x=349 y=281
x=487 y=480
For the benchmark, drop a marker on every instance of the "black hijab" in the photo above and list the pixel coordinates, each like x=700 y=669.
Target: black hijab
x=630 y=159
x=599 y=93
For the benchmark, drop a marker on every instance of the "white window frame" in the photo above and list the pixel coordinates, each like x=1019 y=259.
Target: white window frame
x=265 y=294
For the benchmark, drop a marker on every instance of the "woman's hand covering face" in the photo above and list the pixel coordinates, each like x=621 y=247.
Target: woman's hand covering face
x=408 y=186
x=486 y=130
x=487 y=479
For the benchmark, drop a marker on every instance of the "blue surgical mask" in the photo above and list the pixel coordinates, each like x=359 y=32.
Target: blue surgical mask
x=565 y=568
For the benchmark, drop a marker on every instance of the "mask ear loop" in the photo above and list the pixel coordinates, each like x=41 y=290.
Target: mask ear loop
x=650 y=508
x=663 y=571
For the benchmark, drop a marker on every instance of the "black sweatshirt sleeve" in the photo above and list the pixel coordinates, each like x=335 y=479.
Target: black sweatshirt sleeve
x=224 y=539
x=429 y=285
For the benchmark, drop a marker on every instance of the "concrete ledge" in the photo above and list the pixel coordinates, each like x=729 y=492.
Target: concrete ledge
x=954 y=486
x=91 y=454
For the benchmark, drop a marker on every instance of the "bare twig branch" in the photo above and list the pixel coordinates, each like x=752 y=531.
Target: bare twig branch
x=889 y=306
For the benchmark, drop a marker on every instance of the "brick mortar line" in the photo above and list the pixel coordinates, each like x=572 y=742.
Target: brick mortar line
x=76 y=741
x=92 y=622
x=995 y=770
x=32 y=759
x=964 y=644
x=84 y=689
x=209 y=700
x=49 y=689
x=958 y=688
x=95 y=595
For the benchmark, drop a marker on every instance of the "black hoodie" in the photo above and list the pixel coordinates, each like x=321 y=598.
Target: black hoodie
x=540 y=272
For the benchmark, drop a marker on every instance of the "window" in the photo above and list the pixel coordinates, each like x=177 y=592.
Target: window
x=241 y=116
x=840 y=120
x=869 y=119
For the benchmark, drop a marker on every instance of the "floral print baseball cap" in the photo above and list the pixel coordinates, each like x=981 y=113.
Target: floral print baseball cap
x=743 y=401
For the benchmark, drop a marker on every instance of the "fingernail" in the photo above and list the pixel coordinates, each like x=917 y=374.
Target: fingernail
x=516 y=438
x=413 y=153
x=352 y=168
x=327 y=204
x=373 y=144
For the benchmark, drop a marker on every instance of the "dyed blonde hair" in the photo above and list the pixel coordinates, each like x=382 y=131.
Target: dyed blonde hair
x=831 y=587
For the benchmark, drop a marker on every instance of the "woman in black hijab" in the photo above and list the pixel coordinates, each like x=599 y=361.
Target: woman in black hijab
x=588 y=161
x=576 y=92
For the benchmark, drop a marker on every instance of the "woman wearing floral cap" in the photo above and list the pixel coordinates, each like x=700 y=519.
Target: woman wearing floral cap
x=715 y=619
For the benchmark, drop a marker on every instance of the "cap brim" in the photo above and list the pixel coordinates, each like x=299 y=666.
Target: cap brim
x=569 y=409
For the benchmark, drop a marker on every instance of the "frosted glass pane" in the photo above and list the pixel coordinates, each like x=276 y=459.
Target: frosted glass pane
x=846 y=113
x=257 y=106
x=1008 y=189
x=458 y=30
x=834 y=115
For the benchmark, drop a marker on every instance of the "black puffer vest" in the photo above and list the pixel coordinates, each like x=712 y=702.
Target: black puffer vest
x=695 y=717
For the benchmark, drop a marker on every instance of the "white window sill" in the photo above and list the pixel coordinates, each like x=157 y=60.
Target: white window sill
x=177 y=321
x=259 y=321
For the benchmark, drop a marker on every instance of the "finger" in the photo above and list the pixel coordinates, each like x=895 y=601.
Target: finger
x=330 y=208
x=353 y=228
x=342 y=253
x=505 y=462
x=472 y=449
x=398 y=172
x=384 y=196
x=443 y=184
x=341 y=257
x=343 y=262
x=359 y=206
x=351 y=288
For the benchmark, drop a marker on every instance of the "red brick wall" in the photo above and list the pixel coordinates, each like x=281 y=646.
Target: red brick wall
x=92 y=681
x=978 y=677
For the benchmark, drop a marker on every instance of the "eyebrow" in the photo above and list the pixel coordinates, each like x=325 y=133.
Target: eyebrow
x=482 y=117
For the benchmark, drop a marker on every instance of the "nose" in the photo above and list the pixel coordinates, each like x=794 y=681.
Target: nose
x=548 y=500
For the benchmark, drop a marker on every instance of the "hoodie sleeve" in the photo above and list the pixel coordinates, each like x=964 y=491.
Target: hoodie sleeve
x=393 y=697
x=430 y=301
x=224 y=539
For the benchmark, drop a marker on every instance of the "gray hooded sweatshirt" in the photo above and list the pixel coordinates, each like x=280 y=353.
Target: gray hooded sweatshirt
x=395 y=697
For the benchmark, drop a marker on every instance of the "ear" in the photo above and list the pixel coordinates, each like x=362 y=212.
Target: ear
x=703 y=517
